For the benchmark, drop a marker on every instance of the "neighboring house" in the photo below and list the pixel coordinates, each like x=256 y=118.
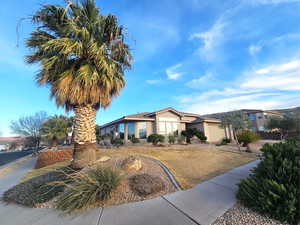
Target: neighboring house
x=165 y=121
x=5 y=143
x=257 y=118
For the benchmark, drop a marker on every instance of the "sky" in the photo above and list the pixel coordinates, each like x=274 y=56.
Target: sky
x=199 y=56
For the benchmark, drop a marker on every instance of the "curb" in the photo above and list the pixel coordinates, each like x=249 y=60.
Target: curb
x=167 y=171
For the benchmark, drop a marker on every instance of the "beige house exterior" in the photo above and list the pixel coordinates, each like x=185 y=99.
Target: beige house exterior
x=165 y=122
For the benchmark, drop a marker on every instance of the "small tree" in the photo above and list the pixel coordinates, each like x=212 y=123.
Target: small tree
x=246 y=137
x=56 y=129
x=235 y=122
x=30 y=126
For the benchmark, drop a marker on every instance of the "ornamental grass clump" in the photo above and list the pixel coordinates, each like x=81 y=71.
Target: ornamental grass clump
x=88 y=188
x=274 y=186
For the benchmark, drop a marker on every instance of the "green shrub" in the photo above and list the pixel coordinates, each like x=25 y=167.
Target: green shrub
x=201 y=136
x=191 y=132
x=274 y=186
x=117 y=142
x=224 y=141
x=247 y=136
x=145 y=184
x=155 y=139
x=88 y=188
x=38 y=189
x=135 y=140
x=171 y=139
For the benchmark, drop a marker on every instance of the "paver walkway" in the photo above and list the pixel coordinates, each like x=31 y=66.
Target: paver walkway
x=199 y=205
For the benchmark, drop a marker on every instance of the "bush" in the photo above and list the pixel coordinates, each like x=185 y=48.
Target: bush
x=224 y=141
x=201 y=136
x=88 y=188
x=117 y=142
x=155 y=139
x=145 y=184
x=191 y=132
x=135 y=140
x=38 y=189
x=246 y=137
x=171 y=139
x=274 y=186
x=51 y=157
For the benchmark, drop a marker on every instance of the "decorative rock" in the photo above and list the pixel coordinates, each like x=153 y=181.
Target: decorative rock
x=104 y=159
x=131 y=164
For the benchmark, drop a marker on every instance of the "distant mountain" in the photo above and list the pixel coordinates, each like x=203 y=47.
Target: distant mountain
x=288 y=111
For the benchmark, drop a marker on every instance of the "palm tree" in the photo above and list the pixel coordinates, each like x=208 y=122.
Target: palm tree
x=83 y=58
x=56 y=129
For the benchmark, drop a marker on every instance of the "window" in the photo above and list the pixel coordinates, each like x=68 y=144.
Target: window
x=121 y=130
x=143 y=130
x=162 y=127
x=251 y=116
x=168 y=127
x=131 y=130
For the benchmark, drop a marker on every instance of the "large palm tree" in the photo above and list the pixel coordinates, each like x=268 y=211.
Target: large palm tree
x=83 y=57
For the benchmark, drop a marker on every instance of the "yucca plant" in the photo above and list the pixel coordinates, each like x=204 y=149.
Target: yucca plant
x=83 y=58
x=87 y=188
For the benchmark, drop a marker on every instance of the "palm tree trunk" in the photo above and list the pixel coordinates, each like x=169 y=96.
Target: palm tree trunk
x=84 y=136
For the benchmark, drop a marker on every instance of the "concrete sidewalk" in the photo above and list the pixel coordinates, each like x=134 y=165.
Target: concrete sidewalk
x=13 y=177
x=199 y=205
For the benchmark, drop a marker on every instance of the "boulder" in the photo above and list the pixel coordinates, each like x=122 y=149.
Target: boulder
x=131 y=164
x=145 y=184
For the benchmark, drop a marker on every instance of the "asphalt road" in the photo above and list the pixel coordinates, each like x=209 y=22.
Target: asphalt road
x=7 y=157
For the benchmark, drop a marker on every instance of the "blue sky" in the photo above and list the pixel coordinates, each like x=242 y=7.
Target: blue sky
x=195 y=55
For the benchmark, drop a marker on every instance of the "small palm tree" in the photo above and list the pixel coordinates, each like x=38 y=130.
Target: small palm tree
x=83 y=57
x=56 y=129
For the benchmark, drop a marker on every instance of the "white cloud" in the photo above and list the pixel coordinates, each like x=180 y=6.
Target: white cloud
x=172 y=72
x=254 y=49
x=210 y=38
x=284 y=76
x=269 y=87
x=200 y=81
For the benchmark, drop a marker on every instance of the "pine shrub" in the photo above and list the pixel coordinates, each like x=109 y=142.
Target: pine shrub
x=274 y=186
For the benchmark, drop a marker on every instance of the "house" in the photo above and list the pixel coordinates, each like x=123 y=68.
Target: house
x=7 y=142
x=258 y=119
x=166 y=121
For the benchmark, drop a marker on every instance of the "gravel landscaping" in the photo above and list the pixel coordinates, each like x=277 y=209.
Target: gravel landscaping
x=239 y=215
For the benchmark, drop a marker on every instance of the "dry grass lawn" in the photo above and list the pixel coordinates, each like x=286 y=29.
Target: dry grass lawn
x=191 y=164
